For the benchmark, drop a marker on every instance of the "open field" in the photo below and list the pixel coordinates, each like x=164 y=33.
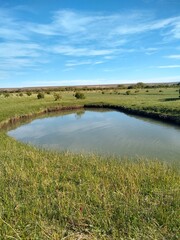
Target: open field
x=162 y=101
x=49 y=195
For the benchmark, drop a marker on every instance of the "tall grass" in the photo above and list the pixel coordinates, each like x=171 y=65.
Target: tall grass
x=49 y=195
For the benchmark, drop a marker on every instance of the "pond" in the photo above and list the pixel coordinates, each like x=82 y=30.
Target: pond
x=104 y=132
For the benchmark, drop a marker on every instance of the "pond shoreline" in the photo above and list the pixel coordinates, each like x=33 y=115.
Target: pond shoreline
x=143 y=113
x=102 y=131
x=19 y=118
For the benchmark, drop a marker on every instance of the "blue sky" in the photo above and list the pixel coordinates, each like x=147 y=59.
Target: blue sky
x=80 y=42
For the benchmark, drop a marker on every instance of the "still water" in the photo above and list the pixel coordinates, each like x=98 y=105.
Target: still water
x=103 y=132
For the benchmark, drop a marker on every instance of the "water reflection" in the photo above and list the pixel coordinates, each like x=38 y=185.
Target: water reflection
x=79 y=114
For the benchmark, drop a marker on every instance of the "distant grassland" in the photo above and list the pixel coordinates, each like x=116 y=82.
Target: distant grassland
x=164 y=101
x=49 y=195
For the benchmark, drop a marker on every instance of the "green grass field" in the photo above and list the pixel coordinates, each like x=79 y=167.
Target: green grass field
x=165 y=102
x=49 y=195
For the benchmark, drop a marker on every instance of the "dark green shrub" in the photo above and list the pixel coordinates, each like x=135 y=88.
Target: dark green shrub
x=6 y=94
x=128 y=92
x=79 y=95
x=130 y=87
x=21 y=94
x=40 y=95
x=29 y=93
x=140 y=85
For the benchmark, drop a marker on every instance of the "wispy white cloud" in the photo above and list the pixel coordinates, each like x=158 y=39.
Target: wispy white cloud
x=79 y=63
x=79 y=52
x=11 y=28
x=175 y=31
x=7 y=33
x=12 y=64
x=109 y=57
x=111 y=69
x=15 y=49
x=75 y=63
x=176 y=56
x=107 y=32
x=150 y=50
x=98 y=62
x=169 y=66
x=140 y=25
x=104 y=29
x=17 y=55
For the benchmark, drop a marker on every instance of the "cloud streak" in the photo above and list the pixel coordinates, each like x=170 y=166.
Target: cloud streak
x=176 y=56
x=79 y=52
x=169 y=66
x=79 y=63
x=15 y=49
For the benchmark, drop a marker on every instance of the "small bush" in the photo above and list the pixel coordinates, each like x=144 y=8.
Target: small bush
x=29 y=93
x=40 y=95
x=130 y=87
x=79 y=95
x=57 y=96
x=128 y=92
x=21 y=94
x=6 y=94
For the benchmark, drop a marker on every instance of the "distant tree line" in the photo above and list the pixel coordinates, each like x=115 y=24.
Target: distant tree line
x=48 y=90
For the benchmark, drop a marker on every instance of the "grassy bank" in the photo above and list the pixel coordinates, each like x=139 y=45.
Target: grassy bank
x=48 y=195
x=163 y=102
